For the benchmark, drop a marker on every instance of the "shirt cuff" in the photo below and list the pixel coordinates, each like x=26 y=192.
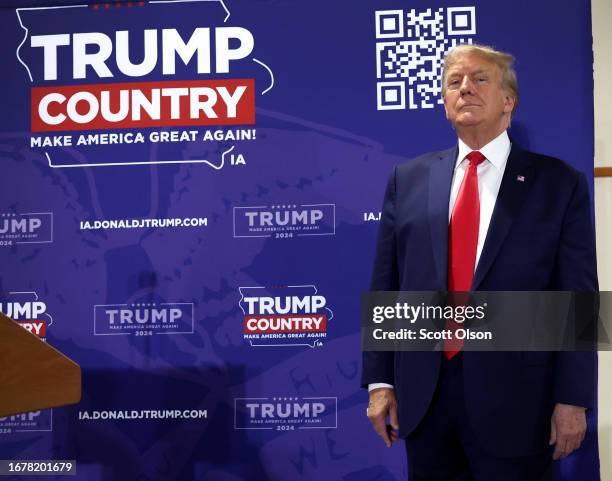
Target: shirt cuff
x=378 y=385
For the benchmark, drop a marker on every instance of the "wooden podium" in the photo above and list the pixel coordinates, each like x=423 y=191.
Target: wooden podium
x=33 y=375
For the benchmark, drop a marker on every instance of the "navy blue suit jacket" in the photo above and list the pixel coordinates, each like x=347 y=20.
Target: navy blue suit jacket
x=540 y=237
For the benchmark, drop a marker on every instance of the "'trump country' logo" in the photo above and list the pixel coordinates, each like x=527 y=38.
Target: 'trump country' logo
x=286 y=220
x=286 y=413
x=284 y=316
x=143 y=318
x=26 y=309
x=35 y=421
x=101 y=78
x=28 y=228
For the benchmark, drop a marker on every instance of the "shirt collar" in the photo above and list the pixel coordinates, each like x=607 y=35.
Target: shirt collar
x=495 y=151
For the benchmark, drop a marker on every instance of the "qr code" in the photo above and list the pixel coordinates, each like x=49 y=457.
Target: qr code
x=410 y=48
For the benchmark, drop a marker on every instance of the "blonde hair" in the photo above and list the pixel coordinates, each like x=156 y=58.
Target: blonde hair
x=503 y=60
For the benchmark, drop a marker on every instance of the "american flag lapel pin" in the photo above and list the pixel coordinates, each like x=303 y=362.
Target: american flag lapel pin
x=520 y=178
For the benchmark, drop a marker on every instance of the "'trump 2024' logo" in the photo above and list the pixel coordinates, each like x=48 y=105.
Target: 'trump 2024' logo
x=282 y=316
x=30 y=228
x=35 y=421
x=285 y=220
x=143 y=318
x=283 y=413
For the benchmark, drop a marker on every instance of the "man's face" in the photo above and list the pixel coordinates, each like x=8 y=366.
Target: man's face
x=474 y=95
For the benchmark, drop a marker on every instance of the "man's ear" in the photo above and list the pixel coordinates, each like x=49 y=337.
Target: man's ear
x=444 y=103
x=509 y=102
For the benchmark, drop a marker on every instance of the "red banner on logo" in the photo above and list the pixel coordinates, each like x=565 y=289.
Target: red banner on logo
x=297 y=323
x=143 y=104
x=36 y=327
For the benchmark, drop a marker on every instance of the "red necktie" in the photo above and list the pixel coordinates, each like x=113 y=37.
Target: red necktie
x=462 y=242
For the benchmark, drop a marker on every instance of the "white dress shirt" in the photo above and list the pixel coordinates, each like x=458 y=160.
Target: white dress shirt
x=490 y=174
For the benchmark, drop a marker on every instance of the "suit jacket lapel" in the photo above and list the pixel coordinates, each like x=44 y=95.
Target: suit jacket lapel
x=516 y=182
x=440 y=178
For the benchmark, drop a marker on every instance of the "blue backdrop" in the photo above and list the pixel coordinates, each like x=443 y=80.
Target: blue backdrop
x=208 y=280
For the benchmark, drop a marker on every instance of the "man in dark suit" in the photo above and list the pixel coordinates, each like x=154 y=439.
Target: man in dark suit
x=484 y=215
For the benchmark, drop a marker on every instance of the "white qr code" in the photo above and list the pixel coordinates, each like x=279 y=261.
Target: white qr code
x=410 y=48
